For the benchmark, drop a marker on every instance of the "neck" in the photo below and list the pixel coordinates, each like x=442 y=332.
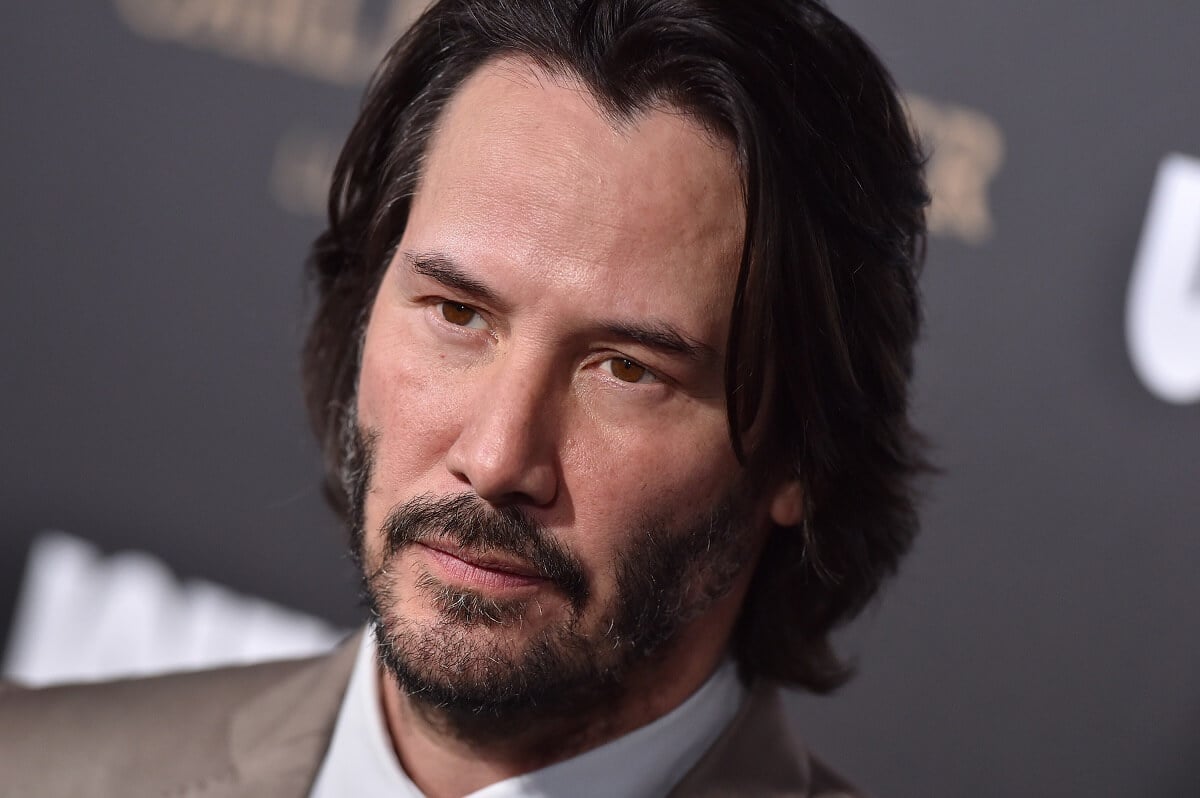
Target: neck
x=445 y=757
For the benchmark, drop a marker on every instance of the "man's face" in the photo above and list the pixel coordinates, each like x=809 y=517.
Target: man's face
x=541 y=396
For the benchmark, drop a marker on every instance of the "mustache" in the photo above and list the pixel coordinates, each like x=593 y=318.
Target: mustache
x=470 y=523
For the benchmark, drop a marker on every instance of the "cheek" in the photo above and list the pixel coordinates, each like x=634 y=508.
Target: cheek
x=671 y=472
x=410 y=402
x=681 y=461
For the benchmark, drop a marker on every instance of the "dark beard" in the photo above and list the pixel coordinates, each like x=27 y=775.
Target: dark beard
x=478 y=690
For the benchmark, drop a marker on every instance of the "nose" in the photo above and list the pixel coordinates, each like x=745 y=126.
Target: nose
x=505 y=449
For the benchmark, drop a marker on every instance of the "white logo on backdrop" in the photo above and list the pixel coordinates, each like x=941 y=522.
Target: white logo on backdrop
x=83 y=616
x=1162 y=318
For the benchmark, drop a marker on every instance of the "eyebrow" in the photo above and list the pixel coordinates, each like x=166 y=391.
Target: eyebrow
x=444 y=270
x=660 y=336
x=657 y=335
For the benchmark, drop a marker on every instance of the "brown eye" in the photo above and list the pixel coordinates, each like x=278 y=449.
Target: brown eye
x=457 y=313
x=626 y=370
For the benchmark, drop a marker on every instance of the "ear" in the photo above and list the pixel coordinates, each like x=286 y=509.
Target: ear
x=787 y=505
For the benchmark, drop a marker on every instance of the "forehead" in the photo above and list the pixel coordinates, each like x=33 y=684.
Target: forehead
x=527 y=176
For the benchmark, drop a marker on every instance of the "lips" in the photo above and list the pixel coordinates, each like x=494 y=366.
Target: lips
x=460 y=539
x=490 y=569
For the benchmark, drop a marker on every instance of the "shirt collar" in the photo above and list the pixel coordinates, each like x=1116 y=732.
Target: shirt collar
x=647 y=762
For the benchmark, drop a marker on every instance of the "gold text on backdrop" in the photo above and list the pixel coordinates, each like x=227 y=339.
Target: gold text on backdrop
x=967 y=152
x=339 y=41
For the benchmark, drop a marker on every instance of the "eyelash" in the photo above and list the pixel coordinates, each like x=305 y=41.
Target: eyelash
x=441 y=305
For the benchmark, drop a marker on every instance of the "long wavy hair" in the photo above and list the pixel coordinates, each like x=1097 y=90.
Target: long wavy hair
x=826 y=307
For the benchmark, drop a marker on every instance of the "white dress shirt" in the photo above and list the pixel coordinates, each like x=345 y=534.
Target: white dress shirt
x=646 y=763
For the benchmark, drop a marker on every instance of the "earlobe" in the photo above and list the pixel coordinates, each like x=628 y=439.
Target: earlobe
x=787 y=505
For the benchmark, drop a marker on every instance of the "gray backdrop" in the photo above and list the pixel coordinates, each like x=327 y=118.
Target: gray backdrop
x=161 y=163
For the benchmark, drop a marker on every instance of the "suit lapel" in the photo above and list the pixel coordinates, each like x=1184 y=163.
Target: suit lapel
x=278 y=739
x=756 y=755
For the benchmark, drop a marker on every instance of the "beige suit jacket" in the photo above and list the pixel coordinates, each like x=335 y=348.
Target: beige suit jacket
x=262 y=731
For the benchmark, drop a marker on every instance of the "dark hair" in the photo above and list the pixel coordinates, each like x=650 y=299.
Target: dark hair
x=826 y=309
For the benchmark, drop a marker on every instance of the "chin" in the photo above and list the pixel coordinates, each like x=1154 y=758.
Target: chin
x=474 y=659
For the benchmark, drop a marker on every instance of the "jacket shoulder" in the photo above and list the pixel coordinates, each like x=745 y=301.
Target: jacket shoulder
x=759 y=755
x=178 y=734
x=827 y=782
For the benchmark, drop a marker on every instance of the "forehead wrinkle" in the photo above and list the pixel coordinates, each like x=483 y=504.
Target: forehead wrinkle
x=522 y=73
